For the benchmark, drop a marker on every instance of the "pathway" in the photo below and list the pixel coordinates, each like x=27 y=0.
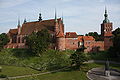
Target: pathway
x=34 y=74
x=90 y=61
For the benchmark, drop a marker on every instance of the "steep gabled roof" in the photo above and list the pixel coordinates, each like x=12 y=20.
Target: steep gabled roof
x=88 y=38
x=71 y=35
x=80 y=38
x=13 y=31
x=29 y=27
x=60 y=34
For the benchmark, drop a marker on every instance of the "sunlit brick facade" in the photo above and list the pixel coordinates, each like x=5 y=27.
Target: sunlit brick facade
x=62 y=41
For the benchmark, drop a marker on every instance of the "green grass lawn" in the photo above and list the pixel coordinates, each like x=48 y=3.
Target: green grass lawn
x=66 y=74
x=69 y=74
x=16 y=71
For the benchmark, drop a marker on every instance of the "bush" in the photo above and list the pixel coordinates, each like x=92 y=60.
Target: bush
x=3 y=76
x=0 y=69
x=103 y=55
x=78 y=58
x=39 y=41
x=50 y=60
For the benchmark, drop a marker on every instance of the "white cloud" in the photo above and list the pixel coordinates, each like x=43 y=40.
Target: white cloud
x=11 y=3
x=67 y=0
x=101 y=1
x=81 y=16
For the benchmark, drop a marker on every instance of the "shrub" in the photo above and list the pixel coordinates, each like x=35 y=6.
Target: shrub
x=0 y=69
x=78 y=58
x=50 y=60
x=3 y=76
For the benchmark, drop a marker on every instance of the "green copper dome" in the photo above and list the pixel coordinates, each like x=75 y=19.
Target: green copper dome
x=106 y=20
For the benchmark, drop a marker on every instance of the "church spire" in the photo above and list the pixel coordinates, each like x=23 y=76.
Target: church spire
x=106 y=20
x=62 y=17
x=19 y=28
x=55 y=16
x=18 y=22
x=25 y=20
x=56 y=29
x=40 y=17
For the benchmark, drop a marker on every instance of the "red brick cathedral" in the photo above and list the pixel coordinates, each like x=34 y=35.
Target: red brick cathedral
x=63 y=41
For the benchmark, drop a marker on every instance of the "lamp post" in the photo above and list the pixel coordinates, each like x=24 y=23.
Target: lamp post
x=107 y=70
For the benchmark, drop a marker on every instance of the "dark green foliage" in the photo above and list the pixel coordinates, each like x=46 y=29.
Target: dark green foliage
x=0 y=69
x=115 y=50
x=95 y=35
x=38 y=42
x=49 y=60
x=3 y=40
x=22 y=53
x=78 y=58
x=3 y=76
x=101 y=55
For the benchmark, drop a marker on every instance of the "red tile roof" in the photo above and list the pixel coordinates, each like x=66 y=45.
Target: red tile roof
x=88 y=38
x=29 y=27
x=71 y=35
x=85 y=38
x=13 y=31
x=80 y=38
x=60 y=34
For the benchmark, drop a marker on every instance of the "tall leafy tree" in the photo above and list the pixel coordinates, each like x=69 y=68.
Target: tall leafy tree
x=78 y=58
x=38 y=41
x=115 y=50
x=95 y=35
x=3 y=40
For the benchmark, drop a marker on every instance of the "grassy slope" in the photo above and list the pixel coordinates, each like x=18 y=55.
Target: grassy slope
x=62 y=75
x=16 y=71
x=102 y=56
x=69 y=74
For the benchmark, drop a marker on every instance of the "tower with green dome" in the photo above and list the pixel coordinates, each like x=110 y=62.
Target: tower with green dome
x=106 y=20
x=106 y=31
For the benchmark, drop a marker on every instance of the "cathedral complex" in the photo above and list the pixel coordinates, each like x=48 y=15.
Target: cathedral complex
x=62 y=41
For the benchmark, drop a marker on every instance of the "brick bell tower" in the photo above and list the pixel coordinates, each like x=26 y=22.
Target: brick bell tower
x=106 y=31
x=59 y=34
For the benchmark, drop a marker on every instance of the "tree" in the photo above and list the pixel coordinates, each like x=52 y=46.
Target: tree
x=95 y=35
x=3 y=40
x=78 y=58
x=115 y=50
x=38 y=41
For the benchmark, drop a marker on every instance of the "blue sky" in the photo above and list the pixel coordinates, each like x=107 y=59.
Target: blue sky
x=81 y=16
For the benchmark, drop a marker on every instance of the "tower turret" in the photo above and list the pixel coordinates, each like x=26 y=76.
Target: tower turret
x=40 y=17
x=25 y=20
x=106 y=26
x=59 y=35
x=106 y=31
x=19 y=28
x=106 y=20
x=56 y=29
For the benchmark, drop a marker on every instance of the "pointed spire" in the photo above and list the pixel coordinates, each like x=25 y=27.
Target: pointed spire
x=25 y=20
x=40 y=17
x=18 y=22
x=19 y=28
x=55 y=16
x=106 y=15
x=106 y=20
x=105 y=10
x=62 y=17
